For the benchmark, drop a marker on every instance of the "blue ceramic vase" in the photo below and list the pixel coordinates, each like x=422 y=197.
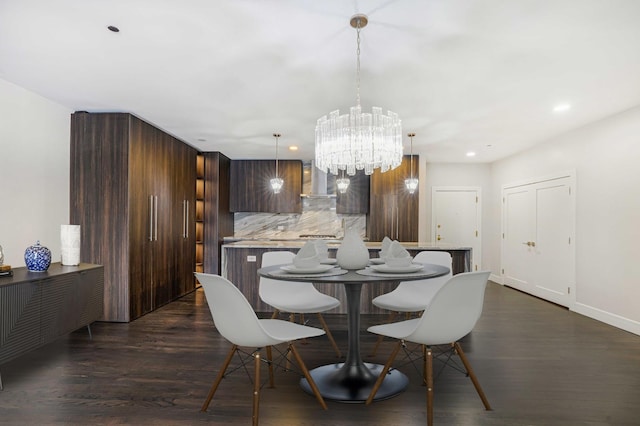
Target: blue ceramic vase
x=37 y=258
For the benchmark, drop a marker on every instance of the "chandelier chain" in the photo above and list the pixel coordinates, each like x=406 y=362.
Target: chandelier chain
x=358 y=64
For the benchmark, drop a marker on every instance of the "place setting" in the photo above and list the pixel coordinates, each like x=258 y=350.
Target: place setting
x=312 y=260
x=394 y=261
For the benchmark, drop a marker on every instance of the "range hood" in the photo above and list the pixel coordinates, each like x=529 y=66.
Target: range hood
x=317 y=183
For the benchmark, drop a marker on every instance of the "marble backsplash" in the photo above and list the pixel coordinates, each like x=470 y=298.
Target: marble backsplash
x=318 y=217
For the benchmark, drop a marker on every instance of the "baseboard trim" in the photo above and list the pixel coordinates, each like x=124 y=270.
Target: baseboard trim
x=614 y=320
x=496 y=279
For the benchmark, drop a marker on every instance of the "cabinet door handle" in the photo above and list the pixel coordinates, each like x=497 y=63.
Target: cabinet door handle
x=155 y=216
x=150 y=217
x=186 y=220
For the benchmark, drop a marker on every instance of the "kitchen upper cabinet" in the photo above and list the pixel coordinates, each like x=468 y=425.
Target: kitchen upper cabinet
x=133 y=193
x=393 y=212
x=251 y=190
x=356 y=199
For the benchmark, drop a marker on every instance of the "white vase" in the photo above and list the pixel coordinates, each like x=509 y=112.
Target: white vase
x=352 y=253
x=70 y=244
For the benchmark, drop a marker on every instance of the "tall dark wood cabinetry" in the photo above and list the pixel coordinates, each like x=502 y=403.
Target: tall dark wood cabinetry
x=218 y=220
x=252 y=192
x=393 y=212
x=133 y=193
x=356 y=199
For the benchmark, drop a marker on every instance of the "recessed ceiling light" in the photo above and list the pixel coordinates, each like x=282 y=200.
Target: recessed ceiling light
x=293 y=147
x=471 y=154
x=561 y=108
x=113 y=29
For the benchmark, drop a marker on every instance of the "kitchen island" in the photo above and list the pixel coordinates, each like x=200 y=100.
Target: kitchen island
x=242 y=259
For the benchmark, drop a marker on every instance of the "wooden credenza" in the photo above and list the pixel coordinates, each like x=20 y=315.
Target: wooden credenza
x=38 y=307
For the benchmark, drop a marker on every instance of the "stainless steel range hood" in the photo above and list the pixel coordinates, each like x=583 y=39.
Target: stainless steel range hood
x=316 y=183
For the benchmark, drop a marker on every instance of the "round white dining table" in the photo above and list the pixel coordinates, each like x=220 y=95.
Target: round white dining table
x=351 y=381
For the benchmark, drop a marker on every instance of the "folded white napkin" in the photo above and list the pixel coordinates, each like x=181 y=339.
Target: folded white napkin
x=322 y=250
x=397 y=255
x=386 y=242
x=307 y=256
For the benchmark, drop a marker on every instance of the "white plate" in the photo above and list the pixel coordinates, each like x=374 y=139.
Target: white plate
x=414 y=267
x=313 y=270
x=329 y=261
x=376 y=261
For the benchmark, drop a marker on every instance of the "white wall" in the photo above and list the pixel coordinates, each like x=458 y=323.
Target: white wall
x=606 y=158
x=34 y=172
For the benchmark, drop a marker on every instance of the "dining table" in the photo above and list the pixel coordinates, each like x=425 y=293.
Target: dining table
x=351 y=381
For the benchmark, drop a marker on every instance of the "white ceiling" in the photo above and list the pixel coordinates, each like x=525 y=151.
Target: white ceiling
x=223 y=75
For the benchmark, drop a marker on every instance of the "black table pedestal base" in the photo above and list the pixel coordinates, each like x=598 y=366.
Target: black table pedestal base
x=353 y=385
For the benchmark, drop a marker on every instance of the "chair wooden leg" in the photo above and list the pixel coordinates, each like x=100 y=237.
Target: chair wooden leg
x=256 y=389
x=429 y=374
x=329 y=335
x=214 y=387
x=275 y=314
x=375 y=348
x=312 y=383
x=384 y=372
x=392 y=315
x=424 y=365
x=270 y=359
x=472 y=375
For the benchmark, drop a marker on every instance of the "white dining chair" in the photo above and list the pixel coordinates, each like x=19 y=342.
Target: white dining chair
x=414 y=296
x=452 y=313
x=236 y=321
x=295 y=297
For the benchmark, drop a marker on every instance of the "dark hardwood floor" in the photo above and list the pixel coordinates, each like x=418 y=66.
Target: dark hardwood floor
x=539 y=364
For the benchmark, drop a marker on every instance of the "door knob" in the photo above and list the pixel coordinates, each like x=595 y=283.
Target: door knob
x=530 y=243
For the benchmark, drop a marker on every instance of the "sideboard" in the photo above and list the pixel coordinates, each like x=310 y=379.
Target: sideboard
x=39 y=307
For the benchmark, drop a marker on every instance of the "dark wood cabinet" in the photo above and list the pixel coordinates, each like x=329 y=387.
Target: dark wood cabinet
x=39 y=307
x=217 y=219
x=251 y=191
x=133 y=193
x=393 y=212
x=356 y=199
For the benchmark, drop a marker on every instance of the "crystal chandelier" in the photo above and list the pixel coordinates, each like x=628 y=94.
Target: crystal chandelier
x=411 y=183
x=276 y=182
x=358 y=140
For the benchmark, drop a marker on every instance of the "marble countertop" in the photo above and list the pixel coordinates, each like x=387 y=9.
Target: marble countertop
x=335 y=244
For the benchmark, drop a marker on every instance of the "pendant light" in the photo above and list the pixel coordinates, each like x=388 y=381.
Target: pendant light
x=276 y=182
x=342 y=183
x=411 y=183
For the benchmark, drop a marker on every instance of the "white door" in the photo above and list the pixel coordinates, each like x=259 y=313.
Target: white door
x=456 y=219
x=518 y=237
x=538 y=228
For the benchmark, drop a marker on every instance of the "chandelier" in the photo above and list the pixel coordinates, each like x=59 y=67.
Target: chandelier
x=411 y=183
x=358 y=141
x=276 y=182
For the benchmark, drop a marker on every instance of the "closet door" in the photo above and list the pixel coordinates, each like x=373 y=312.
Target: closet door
x=538 y=253
x=142 y=233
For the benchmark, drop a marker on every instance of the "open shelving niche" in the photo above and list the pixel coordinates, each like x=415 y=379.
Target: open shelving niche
x=199 y=266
